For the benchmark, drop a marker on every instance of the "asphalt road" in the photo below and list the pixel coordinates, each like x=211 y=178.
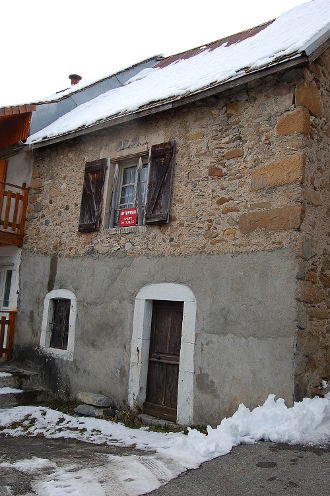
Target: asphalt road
x=258 y=470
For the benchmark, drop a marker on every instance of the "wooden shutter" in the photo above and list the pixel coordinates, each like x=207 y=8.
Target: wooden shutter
x=92 y=196
x=160 y=183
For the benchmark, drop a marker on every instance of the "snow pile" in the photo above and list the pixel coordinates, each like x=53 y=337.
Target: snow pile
x=289 y=35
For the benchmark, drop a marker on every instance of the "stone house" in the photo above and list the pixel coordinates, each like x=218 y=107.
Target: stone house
x=175 y=249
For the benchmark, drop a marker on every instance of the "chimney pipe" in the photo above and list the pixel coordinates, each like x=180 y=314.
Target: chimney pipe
x=74 y=78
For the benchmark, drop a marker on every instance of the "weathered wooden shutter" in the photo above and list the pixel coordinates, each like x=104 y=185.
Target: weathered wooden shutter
x=92 y=196
x=160 y=183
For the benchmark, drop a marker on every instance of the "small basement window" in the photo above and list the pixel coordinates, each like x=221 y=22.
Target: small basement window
x=58 y=323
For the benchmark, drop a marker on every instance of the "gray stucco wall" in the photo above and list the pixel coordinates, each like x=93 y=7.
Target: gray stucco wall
x=245 y=328
x=19 y=168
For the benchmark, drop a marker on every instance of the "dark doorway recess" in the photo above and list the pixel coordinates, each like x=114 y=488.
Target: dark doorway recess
x=164 y=359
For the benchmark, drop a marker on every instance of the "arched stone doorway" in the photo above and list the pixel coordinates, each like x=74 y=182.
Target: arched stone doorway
x=141 y=340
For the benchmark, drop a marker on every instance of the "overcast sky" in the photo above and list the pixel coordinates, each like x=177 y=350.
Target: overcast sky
x=43 y=41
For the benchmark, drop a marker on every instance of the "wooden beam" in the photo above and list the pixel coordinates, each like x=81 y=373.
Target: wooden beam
x=9 y=238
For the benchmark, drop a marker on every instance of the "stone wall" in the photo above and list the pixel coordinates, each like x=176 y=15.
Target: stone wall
x=313 y=340
x=237 y=179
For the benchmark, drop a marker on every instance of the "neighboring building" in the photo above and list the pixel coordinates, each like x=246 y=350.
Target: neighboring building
x=15 y=175
x=215 y=291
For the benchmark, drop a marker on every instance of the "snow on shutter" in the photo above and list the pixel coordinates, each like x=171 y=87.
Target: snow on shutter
x=92 y=196
x=160 y=183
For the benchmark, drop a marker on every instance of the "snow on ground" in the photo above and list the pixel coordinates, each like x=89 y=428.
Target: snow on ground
x=306 y=422
x=289 y=35
x=119 y=475
x=9 y=390
x=5 y=374
x=130 y=475
x=29 y=466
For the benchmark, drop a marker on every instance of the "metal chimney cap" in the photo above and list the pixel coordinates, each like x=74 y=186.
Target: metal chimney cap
x=75 y=78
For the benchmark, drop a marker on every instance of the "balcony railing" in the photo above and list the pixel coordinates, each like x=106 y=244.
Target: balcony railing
x=13 y=205
x=7 y=327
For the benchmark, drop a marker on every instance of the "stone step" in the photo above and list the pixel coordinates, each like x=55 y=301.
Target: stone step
x=10 y=397
x=7 y=380
x=149 y=420
x=20 y=378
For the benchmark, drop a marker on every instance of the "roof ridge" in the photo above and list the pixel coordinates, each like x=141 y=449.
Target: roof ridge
x=248 y=32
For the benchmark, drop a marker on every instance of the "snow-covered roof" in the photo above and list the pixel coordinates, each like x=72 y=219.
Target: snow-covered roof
x=86 y=83
x=76 y=88
x=297 y=32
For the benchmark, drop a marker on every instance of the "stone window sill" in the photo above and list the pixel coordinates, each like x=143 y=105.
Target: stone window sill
x=126 y=230
x=58 y=353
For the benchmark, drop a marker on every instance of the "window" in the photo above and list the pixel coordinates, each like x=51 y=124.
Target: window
x=138 y=182
x=5 y=286
x=58 y=323
x=131 y=187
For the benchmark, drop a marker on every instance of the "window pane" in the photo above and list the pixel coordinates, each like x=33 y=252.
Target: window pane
x=6 y=293
x=59 y=323
x=129 y=175
x=127 y=196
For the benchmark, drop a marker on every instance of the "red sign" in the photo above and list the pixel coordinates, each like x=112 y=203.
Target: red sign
x=128 y=217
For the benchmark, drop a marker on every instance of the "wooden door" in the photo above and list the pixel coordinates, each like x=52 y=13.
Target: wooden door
x=164 y=358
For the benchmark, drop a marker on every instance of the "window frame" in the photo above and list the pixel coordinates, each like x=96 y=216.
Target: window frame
x=120 y=164
x=45 y=337
x=4 y=269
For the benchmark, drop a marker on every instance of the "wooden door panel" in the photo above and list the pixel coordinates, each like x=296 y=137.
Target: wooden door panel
x=164 y=357
x=174 y=342
x=156 y=380
x=171 y=390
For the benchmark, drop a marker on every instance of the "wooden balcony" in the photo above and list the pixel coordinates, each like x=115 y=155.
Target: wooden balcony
x=7 y=327
x=13 y=205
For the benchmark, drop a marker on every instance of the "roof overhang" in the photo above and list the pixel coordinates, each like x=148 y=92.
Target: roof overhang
x=15 y=124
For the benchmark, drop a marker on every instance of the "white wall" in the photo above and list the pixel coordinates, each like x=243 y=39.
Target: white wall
x=19 y=168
